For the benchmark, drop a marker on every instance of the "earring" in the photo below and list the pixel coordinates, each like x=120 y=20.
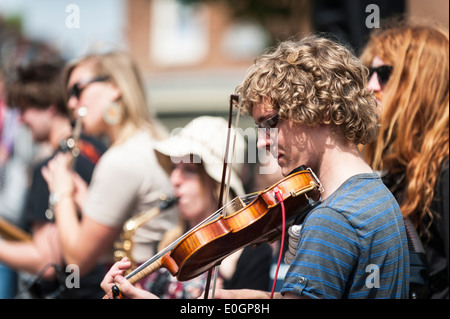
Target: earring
x=113 y=113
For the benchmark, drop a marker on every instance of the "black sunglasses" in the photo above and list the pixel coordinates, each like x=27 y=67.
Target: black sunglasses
x=383 y=73
x=78 y=87
x=269 y=124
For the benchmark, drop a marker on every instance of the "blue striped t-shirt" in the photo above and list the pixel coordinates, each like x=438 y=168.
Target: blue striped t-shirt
x=353 y=245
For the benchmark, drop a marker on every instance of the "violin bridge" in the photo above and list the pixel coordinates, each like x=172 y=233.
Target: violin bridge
x=239 y=204
x=234 y=206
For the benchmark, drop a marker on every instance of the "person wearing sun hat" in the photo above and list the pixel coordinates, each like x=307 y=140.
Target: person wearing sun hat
x=193 y=157
x=204 y=140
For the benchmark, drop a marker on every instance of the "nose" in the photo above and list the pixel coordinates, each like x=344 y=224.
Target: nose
x=374 y=84
x=264 y=140
x=176 y=177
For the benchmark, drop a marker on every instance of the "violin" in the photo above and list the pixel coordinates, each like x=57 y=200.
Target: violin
x=249 y=220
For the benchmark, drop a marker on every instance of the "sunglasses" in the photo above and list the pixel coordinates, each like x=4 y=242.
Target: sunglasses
x=383 y=73
x=269 y=124
x=78 y=87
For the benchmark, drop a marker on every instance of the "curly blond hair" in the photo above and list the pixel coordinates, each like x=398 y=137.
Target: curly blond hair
x=414 y=136
x=314 y=81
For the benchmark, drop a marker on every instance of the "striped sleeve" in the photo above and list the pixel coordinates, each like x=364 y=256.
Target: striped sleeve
x=328 y=250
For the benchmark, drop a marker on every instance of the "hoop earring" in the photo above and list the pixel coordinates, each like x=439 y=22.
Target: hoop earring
x=113 y=113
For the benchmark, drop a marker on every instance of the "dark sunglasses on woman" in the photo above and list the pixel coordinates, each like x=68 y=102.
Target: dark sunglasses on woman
x=78 y=87
x=383 y=73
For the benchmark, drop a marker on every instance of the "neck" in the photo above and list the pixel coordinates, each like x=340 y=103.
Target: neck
x=338 y=164
x=112 y=133
x=119 y=133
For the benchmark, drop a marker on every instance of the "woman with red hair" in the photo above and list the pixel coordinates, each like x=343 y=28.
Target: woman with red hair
x=408 y=66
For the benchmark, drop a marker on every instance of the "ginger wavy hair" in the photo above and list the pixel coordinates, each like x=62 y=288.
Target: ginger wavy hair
x=314 y=81
x=414 y=136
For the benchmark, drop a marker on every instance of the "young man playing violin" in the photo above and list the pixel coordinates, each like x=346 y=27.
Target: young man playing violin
x=311 y=106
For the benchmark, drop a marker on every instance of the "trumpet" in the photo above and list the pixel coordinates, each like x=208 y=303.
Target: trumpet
x=71 y=144
x=124 y=246
x=68 y=145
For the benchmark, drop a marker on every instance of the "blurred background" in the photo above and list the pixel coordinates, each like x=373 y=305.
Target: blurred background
x=193 y=53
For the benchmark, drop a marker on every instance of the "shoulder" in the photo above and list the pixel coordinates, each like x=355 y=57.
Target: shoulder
x=136 y=150
x=326 y=215
x=359 y=206
x=361 y=196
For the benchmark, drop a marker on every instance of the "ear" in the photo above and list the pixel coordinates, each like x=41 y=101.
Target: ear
x=52 y=109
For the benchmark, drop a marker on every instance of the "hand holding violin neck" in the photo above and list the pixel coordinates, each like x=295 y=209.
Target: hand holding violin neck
x=134 y=277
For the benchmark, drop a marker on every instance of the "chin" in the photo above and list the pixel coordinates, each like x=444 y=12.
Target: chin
x=285 y=171
x=39 y=138
x=288 y=169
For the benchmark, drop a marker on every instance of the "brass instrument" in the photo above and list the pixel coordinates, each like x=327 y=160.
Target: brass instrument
x=11 y=232
x=70 y=145
x=124 y=246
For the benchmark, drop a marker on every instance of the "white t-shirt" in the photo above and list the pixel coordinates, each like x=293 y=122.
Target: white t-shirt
x=128 y=180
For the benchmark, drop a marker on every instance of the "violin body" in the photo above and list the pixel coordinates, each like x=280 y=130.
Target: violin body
x=258 y=222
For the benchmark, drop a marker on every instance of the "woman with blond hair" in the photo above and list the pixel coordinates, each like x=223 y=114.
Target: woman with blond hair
x=127 y=179
x=409 y=76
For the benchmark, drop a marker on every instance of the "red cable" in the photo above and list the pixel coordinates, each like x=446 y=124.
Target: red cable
x=280 y=199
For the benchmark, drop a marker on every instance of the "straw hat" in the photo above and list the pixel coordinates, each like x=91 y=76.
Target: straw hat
x=205 y=137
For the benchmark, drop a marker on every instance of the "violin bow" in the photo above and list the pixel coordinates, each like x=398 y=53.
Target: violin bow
x=227 y=166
